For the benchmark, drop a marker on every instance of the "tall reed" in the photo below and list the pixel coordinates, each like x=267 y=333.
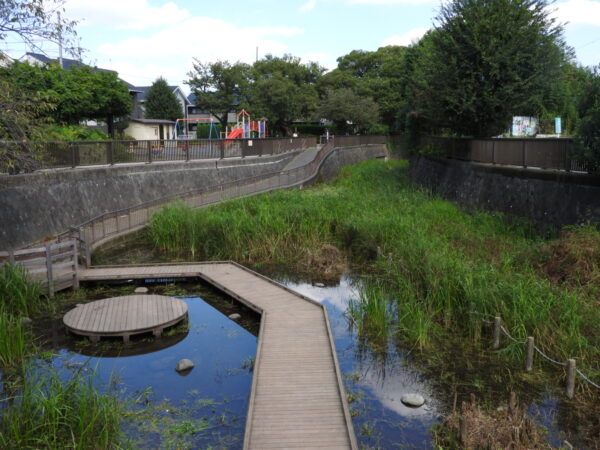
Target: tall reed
x=18 y=295
x=49 y=413
x=442 y=269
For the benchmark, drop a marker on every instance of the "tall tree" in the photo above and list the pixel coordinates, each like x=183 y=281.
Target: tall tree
x=219 y=87
x=488 y=60
x=371 y=74
x=283 y=90
x=589 y=127
x=348 y=111
x=161 y=102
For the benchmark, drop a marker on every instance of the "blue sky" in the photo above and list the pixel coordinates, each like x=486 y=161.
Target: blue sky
x=145 y=39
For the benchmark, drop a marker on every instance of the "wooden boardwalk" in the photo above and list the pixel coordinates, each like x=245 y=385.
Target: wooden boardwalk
x=125 y=316
x=298 y=398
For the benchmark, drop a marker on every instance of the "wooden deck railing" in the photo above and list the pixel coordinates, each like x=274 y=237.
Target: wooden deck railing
x=54 y=265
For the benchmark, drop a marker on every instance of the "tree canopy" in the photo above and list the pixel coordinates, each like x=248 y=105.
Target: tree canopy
x=349 y=111
x=219 y=86
x=283 y=89
x=487 y=61
x=161 y=102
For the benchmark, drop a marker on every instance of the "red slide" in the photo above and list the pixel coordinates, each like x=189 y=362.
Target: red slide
x=235 y=134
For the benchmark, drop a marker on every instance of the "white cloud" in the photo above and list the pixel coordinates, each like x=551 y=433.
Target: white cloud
x=169 y=52
x=407 y=38
x=578 y=12
x=124 y=14
x=308 y=6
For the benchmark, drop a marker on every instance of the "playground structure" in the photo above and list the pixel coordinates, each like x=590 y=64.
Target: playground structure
x=246 y=128
x=182 y=130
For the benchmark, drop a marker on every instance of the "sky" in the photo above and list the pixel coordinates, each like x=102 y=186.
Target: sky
x=147 y=39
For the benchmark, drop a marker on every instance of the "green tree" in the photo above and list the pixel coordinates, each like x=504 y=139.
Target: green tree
x=219 y=87
x=349 y=111
x=589 y=126
x=284 y=90
x=377 y=75
x=78 y=94
x=486 y=61
x=161 y=102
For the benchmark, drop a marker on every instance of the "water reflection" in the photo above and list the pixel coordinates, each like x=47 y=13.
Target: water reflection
x=375 y=380
x=214 y=395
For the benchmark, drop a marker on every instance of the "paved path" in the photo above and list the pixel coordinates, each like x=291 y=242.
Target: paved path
x=303 y=159
x=298 y=398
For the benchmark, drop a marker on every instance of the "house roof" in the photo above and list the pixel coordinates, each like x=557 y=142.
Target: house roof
x=153 y=121
x=68 y=63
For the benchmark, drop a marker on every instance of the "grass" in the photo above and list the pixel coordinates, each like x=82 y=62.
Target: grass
x=438 y=269
x=51 y=413
x=18 y=296
x=15 y=343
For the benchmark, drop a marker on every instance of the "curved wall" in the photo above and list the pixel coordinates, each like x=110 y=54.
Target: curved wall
x=45 y=203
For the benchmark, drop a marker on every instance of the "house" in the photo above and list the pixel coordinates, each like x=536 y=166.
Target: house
x=5 y=60
x=140 y=99
x=195 y=111
x=150 y=129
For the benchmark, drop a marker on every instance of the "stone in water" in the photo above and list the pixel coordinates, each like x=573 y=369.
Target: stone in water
x=414 y=400
x=141 y=290
x=184 y=365
x=235 y=316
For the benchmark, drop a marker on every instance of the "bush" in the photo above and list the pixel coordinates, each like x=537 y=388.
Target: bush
x=74 y=133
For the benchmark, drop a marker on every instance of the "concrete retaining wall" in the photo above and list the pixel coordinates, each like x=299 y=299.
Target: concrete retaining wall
x=42 y=204
x=546 y=197
x=46 y=203
x=346 y=156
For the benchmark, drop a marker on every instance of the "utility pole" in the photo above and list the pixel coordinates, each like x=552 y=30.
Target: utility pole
x=257 y=53
x=60 y=46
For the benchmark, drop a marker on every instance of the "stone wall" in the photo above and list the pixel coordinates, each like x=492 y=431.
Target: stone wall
x=341 y=157
x=546 y=197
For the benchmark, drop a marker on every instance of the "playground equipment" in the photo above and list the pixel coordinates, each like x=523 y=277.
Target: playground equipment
x=182 y=131
x=246 y=128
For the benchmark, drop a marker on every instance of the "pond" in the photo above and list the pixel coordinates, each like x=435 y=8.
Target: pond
x=204 y=408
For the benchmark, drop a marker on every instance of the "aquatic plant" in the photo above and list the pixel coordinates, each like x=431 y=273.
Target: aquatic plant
x=441 y=270
x=18 y=295
x=14 y=341
x=51 y=413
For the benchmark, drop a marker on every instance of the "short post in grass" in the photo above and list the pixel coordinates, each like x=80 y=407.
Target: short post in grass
x=529 y=357
x=463 y=424
x=49 y=270
x=497 y=326
x=571 y=372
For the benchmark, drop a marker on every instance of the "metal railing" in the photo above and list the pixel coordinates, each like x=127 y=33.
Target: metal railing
x=94 y=231
x=554 y=154
x=53 y=155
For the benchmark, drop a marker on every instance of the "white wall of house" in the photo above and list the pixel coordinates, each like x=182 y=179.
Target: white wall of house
x=144 y=131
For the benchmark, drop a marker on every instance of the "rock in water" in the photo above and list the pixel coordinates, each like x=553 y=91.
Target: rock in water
x=184 y=365
x=141 y=290
x=414 y=400
x=235 y=316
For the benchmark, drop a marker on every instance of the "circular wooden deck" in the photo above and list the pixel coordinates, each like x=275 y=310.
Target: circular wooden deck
x=125 y=316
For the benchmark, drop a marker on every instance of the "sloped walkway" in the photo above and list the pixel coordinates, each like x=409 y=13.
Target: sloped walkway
x=298 y=398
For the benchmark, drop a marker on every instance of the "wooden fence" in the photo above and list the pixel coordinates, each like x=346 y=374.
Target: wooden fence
x=54 y=265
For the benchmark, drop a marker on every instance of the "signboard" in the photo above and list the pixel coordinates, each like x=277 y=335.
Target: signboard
x=524 y=126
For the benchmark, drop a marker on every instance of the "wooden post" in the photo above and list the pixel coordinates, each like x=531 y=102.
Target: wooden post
x=496 y=345
x=529 y=359
x=11 y=257
x=49 y=270
x=571 y=372
x=512 y=403
x=75 y=267
x=463 y=425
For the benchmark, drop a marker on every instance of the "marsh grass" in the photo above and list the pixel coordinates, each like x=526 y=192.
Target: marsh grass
x=440 y=270
x=18 y=295
x=51 y=413
x=15 y=343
